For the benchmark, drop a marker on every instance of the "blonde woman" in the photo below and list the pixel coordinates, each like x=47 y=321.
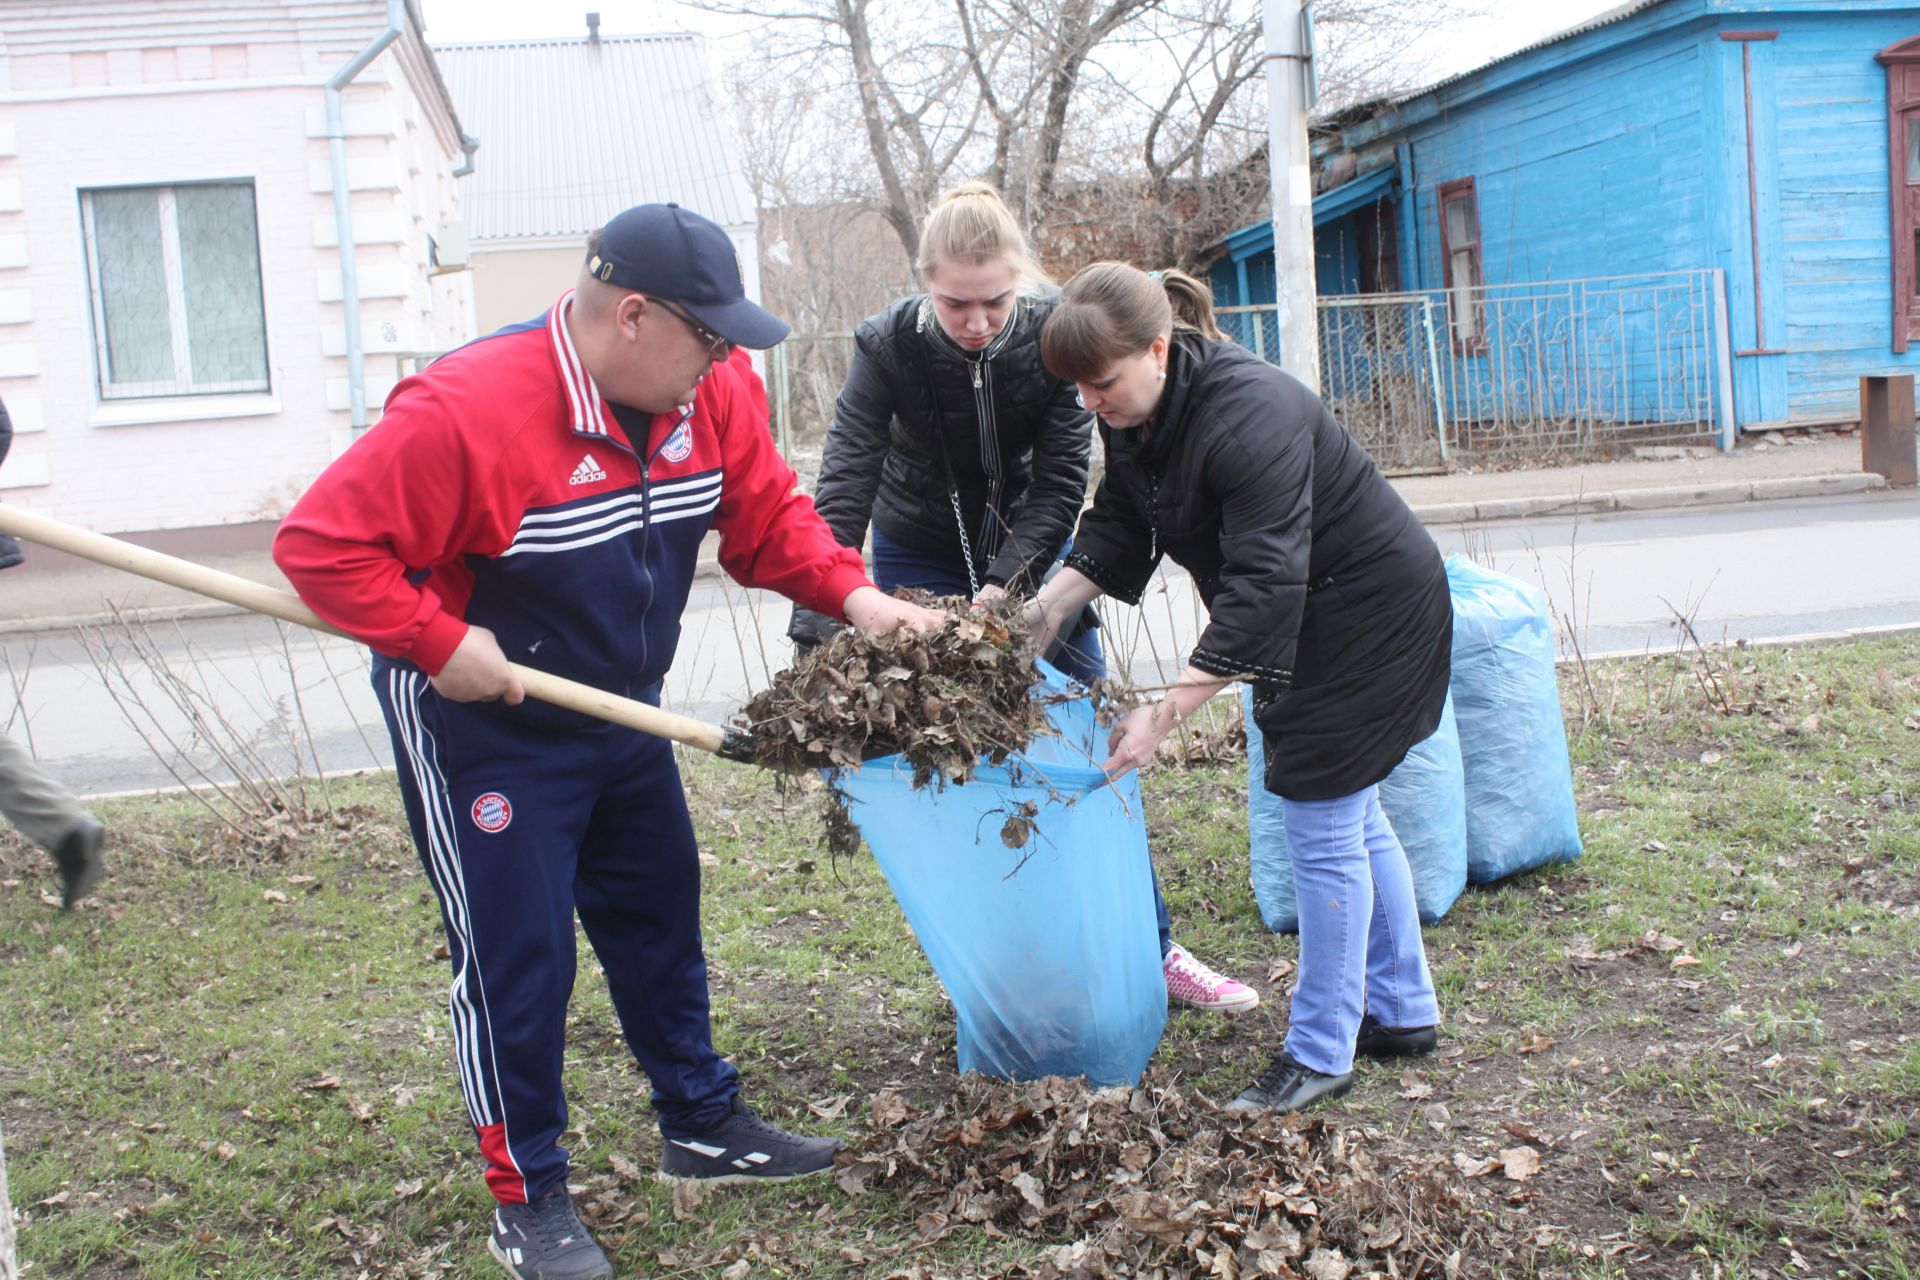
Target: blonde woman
x=969 y=459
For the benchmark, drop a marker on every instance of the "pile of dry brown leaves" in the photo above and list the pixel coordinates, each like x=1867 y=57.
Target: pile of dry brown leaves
x=1152 y=1181
x=944 y=699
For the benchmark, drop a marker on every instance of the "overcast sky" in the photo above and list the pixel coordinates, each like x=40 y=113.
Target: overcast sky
x=1511 y=24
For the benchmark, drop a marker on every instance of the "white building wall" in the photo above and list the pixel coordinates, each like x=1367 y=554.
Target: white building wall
x=90 y=115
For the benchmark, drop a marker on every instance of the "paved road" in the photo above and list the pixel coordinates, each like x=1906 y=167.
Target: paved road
x=106 y=719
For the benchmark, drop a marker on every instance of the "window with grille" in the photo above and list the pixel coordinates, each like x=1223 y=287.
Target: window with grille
x=174 y=278
x=1460 y=251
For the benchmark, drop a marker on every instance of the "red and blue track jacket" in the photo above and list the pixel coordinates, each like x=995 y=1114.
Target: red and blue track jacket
x=498 y=490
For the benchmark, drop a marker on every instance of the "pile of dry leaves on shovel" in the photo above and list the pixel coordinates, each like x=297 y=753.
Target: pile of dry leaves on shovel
x=943 y=699
x=1150 y=1181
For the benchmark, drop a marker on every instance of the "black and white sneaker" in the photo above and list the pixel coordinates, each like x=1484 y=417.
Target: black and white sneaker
x=745 y=1148
x=1289 y=1084
x=546 y=1240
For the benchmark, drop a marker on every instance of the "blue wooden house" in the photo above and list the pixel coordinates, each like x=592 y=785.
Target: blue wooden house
x=1680 y=219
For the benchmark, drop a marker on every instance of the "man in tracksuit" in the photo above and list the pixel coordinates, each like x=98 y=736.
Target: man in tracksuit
x=539 y=497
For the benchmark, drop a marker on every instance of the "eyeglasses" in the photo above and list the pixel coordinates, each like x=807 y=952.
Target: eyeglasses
x=718 y=348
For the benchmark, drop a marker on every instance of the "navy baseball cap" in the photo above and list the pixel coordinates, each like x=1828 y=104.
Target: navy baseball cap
x=674 y=253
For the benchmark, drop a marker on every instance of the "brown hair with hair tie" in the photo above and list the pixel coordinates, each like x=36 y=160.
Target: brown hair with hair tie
x=1110 y=310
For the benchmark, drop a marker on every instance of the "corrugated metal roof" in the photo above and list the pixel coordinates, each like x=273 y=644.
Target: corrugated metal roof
x=573 y=131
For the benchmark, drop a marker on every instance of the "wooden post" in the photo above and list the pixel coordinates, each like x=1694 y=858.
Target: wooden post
x=1886 y=428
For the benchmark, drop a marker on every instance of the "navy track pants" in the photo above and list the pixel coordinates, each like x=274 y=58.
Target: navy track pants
x=518 y=829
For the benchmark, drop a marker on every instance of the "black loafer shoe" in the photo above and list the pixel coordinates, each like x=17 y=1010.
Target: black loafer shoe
x=78 y=858
x=1290 y=1085
x=1376 y=1041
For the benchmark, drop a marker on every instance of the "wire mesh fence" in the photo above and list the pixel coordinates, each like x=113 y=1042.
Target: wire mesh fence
x=1565 y=367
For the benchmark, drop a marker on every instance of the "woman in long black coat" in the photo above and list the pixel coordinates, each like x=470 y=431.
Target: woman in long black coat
x=1322 y=590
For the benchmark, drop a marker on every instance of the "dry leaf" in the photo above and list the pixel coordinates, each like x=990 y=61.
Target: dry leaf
x=1654 y=940
x=738 y=1271
x=686 y=1199
x=1472 y=1166
x=830 y=1108
x=1325 y=1264
x=1682 y=961
x=1281 y=968
x=1536 y=1044
x=1521 y=1163
x=409 y=1189
x=1526 y=1132
x=325 y=1082
x=273 y=895
x=889 y=1109
x=624 y=1169
x=226 y=1151
x=1710 y=757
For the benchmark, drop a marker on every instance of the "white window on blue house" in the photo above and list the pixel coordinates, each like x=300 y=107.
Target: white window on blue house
x=1460 y=252
x=173 y=275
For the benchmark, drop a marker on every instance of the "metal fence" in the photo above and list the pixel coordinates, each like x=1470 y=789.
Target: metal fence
x=1564 y=367
x=804 y=375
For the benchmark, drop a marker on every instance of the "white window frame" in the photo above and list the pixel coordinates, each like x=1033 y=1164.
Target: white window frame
x=176 y=301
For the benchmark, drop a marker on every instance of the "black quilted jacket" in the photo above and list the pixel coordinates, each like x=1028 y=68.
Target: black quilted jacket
x=1319 y=582
x=917 y=411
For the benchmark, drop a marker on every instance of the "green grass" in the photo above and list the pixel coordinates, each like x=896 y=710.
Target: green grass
x=237 y=1064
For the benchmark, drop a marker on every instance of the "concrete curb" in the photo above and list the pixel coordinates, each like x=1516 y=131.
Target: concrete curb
x=1678 y=496
x=1437 y=513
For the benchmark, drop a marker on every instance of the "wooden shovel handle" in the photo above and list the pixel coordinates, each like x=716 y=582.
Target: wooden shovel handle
x=284 y=605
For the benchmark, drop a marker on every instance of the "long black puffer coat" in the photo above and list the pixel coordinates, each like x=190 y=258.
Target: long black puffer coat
x=1319 y=582
x=917 y=411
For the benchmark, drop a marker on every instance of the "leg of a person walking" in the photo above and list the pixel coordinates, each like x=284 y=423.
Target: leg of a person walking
x=1333 y=886
x=1399 y=985
x=34 y=800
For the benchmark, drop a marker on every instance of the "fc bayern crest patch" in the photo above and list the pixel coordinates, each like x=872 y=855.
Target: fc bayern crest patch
x=491 y=812
x=679 y=445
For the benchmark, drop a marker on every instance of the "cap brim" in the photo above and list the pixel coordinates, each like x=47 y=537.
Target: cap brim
x=744 y=323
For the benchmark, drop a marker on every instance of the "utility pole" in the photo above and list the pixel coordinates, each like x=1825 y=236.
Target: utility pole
x=1289 y=88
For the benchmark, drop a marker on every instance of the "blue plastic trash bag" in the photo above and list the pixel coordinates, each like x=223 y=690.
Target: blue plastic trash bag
x=1424 y=798
x=1513 y=741
x=1266 y=834
x=1049 y=952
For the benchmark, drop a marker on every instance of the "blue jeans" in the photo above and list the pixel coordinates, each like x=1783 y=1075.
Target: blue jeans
x=1079 y=657
x=1360 y=948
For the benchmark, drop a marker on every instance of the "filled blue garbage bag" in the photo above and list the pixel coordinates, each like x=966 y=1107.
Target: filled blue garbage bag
x=1513 y=740
x=1049 y=952
x=1266 y=834
x=1424 y=798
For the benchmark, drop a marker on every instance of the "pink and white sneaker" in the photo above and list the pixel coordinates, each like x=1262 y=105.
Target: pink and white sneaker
x=1190 y=982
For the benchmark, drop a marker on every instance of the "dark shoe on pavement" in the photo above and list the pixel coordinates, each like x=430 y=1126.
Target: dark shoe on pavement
x=78 y=857
x=1290 y=1085
x=545 y=1240
x=1376 y=1041
x=745 y=1148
